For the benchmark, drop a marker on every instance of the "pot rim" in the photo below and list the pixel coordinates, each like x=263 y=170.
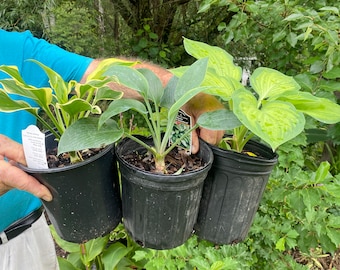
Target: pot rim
x=266 y=151
x=105 y=150
x=168 y=177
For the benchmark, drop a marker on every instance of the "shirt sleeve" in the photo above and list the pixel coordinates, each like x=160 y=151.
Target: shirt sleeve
x=69 y=65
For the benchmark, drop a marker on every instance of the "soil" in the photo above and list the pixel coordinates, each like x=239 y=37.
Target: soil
x=62 y=160
x=177 y=161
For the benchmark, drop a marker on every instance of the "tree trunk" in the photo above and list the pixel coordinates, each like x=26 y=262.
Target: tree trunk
x=160 y=12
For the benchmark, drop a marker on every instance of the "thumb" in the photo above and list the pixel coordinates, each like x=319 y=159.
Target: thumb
x=195 y=144
x=13 y=177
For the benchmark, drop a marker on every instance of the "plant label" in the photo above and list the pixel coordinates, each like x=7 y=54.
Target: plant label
x=182 y=125
x=33 y=141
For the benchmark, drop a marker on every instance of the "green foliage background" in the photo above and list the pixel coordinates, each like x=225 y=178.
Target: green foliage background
x=298 y=221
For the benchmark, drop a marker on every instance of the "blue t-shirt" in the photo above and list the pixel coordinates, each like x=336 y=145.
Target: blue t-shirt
x=15 y=49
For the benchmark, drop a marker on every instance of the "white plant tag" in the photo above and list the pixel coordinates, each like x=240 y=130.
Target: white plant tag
x=183 y=124
x=33 y=141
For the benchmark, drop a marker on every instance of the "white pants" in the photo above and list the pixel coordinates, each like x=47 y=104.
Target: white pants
x=31 y=250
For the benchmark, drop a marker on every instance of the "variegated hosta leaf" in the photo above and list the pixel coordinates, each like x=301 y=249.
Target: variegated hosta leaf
x=57 y=83
x=9 y=105
x=106 y=64
x=322 y=109
x=42 y=96
x=75 y=106
x=270 y=83
x=219 y=59
x=275 y=122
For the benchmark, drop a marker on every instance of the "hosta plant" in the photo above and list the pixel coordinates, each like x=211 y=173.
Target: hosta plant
x=171 y=98
x=273 y=108
x=63 y=102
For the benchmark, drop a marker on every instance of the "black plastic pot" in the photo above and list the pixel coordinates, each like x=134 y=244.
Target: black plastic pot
x=86 y=196
x=159 y=211
x=232 y=193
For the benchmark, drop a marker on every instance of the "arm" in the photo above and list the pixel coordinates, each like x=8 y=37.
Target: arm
x=162 y=73
x=12 y=177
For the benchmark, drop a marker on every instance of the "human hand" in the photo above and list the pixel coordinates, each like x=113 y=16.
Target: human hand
x=13 y=177
x=199 y=104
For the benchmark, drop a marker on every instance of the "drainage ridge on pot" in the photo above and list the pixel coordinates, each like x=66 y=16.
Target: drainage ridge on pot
x=232 y=193
x=86 y=196
x=159 y=210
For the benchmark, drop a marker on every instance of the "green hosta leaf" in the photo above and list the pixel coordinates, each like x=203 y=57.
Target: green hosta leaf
x=185 y=98
x=85 y=134
x=218 y=120
x=179 y=71
x=168 y=97
x=322 y=109
x=155 y=91
x=192 y=78
x=276 y=122
x=119 y=106
x=271 y=83
x=129 y=77
x=219 y=59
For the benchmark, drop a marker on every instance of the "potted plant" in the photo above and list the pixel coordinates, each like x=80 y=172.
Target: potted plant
x=272 y=110
x=86 y=196
x=159 y=207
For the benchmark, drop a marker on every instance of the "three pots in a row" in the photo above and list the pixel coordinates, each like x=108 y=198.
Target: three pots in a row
x=218 y=201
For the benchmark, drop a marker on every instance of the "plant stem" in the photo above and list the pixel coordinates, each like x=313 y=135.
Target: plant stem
x=240 y=139
x=146 y=146
x=47 y=126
